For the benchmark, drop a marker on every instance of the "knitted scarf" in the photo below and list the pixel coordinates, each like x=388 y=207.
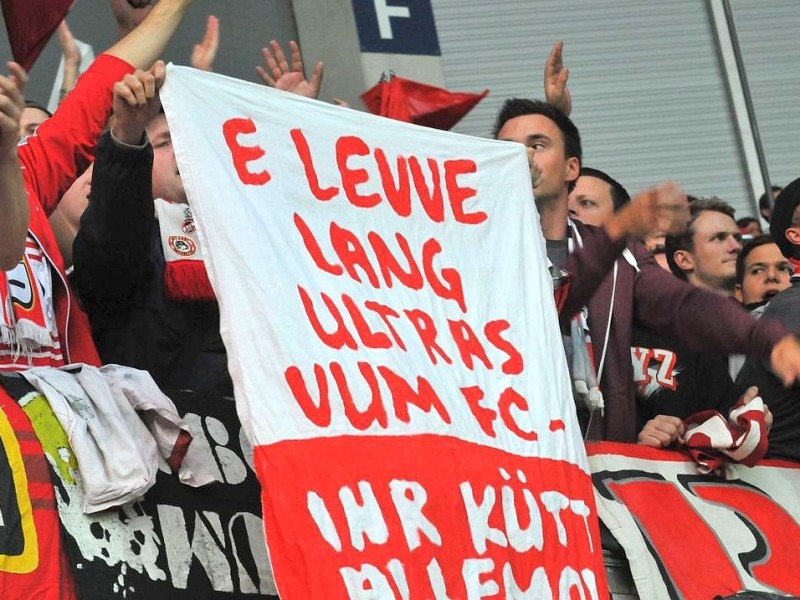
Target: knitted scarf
x=27 y=318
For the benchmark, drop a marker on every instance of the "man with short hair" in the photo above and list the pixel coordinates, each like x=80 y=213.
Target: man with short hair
x=32 y=116
x=705 y=254
x=762 y=271
x=595 y=197
x=636 y=285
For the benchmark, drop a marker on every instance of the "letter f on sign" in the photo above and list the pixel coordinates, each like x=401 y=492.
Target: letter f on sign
x=384 y=12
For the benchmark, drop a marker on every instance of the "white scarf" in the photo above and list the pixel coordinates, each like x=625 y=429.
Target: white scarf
x=185 y=275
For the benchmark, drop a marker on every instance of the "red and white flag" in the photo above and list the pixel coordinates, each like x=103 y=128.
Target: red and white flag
x=394 y=347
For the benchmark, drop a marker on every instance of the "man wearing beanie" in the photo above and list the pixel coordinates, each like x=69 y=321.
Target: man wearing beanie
x=784 y=441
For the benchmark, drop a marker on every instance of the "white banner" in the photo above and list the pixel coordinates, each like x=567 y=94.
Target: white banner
x=392 y=338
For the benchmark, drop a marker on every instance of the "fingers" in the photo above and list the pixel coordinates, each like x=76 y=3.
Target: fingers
x=280 y=59
x=785 y=359
x=536 y=172
x=563 y=78
x=20 y=78
x=663 y=208
x=297 y=60
x=265 y=77
x=273 y=72
x=749 y=394
x=554 y=60
x=12 y=102
x=211 y=38
x=138 y=88
x=556 y=77
x=159 y=73
x=661 y=431
x=316 y=78
x=204 y=53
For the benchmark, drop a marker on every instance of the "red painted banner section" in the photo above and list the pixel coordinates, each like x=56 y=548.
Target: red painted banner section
x=667 y=518
x=426 y=517
x=777 y=534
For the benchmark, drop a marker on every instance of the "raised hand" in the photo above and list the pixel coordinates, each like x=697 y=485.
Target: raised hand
x=14 y=213
x=205 y=52
x=72 y=58
x=556 y=91
x=785 y=360
x=662 y=208
x=12 y=101
x=136 y=102
x=280 y=75
x=536 y=172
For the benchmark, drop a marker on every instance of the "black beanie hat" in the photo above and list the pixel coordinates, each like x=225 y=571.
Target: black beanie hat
x=781 y=218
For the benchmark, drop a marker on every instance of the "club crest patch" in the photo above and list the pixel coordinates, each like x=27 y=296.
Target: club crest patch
x=182 y=245
x=188 y=226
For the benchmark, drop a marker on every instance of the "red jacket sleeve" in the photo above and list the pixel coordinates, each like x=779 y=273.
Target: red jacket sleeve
x=64 y=145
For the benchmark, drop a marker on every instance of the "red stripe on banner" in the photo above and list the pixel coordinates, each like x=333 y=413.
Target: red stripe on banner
x=426 y=516
x=44 y=504
x=37 y=468
x=780 y=463
x=662 y=455
x=27 y=436
x=635 y=451
x=673 y=528
x=773 y=561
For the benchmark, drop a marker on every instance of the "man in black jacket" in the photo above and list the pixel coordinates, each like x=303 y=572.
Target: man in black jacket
x=121 y=273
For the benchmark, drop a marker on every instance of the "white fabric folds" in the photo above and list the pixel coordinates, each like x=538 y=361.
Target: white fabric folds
x=118 y=451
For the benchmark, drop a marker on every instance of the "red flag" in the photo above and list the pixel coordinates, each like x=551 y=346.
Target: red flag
x=30 y=23
x=414 y=102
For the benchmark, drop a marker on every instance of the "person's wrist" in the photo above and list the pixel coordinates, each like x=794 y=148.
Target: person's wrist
x=616 y=227
x=128 y=134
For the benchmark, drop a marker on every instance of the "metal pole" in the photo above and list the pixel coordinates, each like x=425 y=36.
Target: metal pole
x=748 y=100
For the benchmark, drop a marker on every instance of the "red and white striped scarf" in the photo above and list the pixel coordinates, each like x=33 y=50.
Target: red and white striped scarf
x=28 y=329
x=713 y=441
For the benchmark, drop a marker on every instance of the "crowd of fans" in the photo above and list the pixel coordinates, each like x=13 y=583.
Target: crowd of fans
x=668 y=306
x=663 y=290
x=665 y=284
x=661 y=299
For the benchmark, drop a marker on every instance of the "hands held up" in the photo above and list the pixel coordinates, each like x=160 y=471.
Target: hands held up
x=136 y=102
x=280 y=75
